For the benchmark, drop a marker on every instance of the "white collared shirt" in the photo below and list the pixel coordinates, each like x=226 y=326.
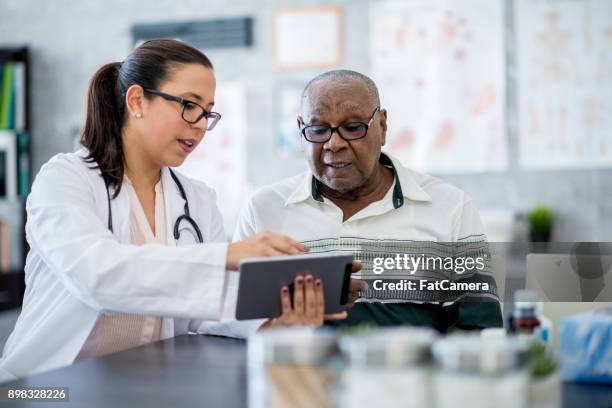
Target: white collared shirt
x=420 y=208
x=432 y=211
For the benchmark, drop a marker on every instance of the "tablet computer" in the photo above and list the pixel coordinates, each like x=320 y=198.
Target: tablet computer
x=262 y=278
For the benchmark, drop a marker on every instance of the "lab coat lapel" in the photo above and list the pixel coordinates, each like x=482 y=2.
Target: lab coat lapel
x=175 y=205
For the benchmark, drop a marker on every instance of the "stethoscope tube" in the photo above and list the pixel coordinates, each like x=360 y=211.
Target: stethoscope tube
x=186 y=216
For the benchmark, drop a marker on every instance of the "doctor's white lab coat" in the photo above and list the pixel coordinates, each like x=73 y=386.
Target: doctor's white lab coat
x=77 y=269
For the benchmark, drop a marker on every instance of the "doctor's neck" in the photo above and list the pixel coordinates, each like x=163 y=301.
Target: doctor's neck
x=139 y=167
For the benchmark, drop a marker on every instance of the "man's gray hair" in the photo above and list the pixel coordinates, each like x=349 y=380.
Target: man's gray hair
x=340 y=75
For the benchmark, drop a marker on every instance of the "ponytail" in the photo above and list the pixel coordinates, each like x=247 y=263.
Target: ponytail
x=149 y=65
x=102 y=134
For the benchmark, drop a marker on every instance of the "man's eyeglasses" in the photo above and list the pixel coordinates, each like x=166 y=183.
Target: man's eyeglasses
x=192 y=112
x=347 y=131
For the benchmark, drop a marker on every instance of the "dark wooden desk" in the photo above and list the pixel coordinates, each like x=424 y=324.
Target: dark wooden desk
x=186 y=371
x=196 y=371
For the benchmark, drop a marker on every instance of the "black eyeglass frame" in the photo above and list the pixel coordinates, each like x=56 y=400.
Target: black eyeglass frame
x=184 y=103
x=338 y=128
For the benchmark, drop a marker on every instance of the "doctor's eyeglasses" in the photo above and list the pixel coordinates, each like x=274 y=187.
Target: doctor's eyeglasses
x=192 y=112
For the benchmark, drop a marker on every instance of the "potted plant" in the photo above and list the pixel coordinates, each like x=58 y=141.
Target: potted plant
x=540 y=224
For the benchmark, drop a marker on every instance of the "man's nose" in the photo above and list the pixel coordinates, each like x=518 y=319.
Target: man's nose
x=335 y=142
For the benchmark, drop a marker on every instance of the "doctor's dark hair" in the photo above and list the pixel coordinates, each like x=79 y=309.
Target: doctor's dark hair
x=149 y=66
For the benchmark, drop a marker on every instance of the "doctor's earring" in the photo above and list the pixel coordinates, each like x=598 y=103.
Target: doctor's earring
x=138 y=116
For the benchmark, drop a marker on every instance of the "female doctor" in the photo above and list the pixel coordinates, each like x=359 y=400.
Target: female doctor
x=124 y=250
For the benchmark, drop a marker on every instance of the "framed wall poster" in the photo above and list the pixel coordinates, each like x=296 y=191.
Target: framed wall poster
x=440 y=68
x=8 y=165
x=309 y=37
x=288 y=99
x=564 y=84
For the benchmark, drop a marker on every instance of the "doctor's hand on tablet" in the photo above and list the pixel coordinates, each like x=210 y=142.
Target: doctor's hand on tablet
x=307 y=306
x=267 y=243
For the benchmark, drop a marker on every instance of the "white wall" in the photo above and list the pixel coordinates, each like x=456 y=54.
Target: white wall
x=71 y=39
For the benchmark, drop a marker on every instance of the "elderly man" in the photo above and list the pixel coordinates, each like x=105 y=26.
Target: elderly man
x=356 y=198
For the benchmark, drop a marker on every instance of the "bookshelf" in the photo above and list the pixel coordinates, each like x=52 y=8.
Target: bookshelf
x=15 y=171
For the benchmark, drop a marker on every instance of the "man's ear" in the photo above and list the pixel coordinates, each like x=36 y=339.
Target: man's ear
x=299 y=124
x=135 y=101
x=383 y=126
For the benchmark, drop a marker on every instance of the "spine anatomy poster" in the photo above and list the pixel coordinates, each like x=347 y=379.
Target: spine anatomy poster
x=440 y=68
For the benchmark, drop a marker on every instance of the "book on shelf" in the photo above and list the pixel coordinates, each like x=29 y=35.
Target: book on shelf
x=8 y=164
x=12 y=95
x=5 y=254
x=23 y=164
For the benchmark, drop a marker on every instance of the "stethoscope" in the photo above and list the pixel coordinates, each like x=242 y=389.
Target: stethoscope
x=185 y=217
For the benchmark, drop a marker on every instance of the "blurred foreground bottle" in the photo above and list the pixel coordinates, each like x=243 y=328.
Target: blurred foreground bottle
x=387 y=368
x=478 y=372
x=527 y=319
x=288 y=368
